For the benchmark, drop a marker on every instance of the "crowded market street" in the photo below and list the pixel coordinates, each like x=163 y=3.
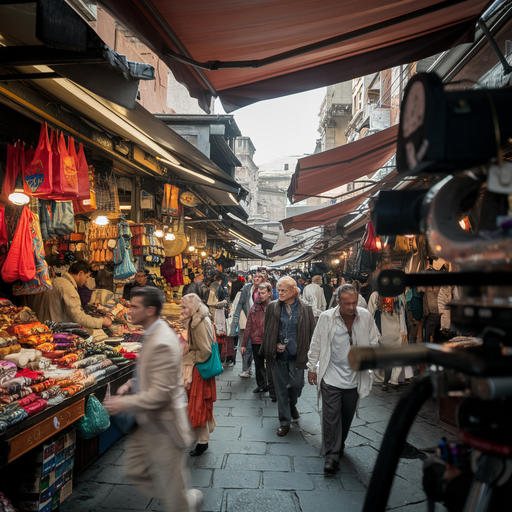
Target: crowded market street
x=248 y=468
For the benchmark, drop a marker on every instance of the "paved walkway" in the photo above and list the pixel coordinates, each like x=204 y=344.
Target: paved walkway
x=249 y=468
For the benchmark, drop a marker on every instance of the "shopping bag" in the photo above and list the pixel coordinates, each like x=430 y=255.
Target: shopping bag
x=95 y=420
x=13 y=169
x=126 y=268
x=41 y=282
x=370 y=240
x=65 y=184
x=63 y=217
x=38 y=176
x=20 y=261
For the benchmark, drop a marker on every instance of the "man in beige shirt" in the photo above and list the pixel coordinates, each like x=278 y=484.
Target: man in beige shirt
x=63 y=301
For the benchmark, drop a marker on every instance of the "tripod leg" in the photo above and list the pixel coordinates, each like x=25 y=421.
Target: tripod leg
x=489 y=470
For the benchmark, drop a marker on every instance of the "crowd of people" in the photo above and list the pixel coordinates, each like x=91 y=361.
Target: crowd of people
x=287 y=327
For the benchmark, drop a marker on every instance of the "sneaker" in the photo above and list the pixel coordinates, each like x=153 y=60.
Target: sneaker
x=231 y=363
x=246 y=374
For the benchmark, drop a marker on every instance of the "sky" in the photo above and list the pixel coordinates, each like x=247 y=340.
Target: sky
x=280 y=127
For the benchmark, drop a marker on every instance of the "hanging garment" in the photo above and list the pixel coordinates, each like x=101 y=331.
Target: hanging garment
x=41 y=282
x=170 y=205
x=20 y=261
x=38 y=176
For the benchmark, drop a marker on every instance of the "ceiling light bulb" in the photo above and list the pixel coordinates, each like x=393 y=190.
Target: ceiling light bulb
x=336 y=261
x=159 y=233
x=169 y=236
x=101 y=220
x=19 y=197
x=191 y=248
x=203 y=254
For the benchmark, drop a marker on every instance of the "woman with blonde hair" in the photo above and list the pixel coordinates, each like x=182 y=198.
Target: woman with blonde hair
x=201 y=393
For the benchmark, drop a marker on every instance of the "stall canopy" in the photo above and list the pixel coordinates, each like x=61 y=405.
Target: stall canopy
x=333 y=212
x=286 y=261
x=250 y=50
x=328 y=170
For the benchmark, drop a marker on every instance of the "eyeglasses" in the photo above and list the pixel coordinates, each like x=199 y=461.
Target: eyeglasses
x=350 y=337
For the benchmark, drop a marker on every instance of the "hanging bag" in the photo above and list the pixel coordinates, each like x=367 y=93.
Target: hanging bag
x=125 y=269
x=65 y=184
x=95 y=420
x=370 y=241
x=38 y=176
x=20 y=261
x=63 y=217
x=41 y=282
x=213 y=366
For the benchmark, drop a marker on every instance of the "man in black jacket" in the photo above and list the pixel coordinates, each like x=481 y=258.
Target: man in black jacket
x=289 y=326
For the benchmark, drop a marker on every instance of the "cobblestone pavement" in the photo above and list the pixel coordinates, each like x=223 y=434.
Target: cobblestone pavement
x=247 y=467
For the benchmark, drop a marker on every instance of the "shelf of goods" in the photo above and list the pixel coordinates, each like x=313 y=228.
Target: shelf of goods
x=47 y=370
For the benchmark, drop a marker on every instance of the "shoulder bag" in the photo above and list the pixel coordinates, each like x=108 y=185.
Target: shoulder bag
x=213 y=366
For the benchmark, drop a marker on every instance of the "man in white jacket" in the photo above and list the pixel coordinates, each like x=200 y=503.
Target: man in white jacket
x=340 y=387
x=314 y=296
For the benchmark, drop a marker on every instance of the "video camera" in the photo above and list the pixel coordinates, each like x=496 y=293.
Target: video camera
x=458 y=142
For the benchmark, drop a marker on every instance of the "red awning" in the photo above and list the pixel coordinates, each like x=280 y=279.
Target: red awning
x=334 y=212
x=250 y=50
x=325 y=171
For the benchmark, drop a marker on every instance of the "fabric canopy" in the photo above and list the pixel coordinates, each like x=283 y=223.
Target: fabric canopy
x=250 y=50
x=325 y=171
x=333 y=212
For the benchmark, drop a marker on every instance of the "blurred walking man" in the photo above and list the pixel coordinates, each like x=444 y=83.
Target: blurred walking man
x=340 y=387
x=156 y=449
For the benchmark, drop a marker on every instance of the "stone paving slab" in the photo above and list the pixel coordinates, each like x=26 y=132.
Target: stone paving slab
x=260 y=501
x=125 y=497
x=243 y=447
x=282 y=481
x=236 y=479
x=313 y=501
x=258 y=462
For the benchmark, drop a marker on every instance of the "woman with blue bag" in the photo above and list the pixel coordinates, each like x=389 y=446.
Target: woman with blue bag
x=201 y=364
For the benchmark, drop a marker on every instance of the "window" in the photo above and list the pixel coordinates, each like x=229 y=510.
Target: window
x=285 y=167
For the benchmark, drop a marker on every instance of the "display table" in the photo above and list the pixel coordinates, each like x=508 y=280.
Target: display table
x=30 y=433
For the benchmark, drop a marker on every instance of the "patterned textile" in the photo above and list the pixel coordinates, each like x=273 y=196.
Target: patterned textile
x=35 y=407
x=98 y=358
x=7 y=371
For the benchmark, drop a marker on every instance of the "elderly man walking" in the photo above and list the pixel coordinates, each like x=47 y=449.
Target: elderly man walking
x=289 y=325
x=337 y=330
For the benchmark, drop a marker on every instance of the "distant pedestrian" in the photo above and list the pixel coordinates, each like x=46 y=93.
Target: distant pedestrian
x=314 y=296
x=254 y=329
x=248 y=297
x=155 y=453
x=328 y=289
x=340 y=387
x=202 y=393
x=289 y=325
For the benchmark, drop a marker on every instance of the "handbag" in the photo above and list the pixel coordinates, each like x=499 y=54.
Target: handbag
x=125 y=269
x=213 y=366
x=95 y=420
x=38 y=176
x=65 y=183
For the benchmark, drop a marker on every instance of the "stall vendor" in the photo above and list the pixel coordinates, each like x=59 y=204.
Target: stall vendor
x=63 y=301
x=142 y=278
